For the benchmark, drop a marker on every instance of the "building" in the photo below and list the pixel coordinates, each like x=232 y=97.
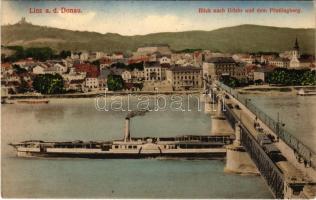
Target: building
x=216 y=67
x=84 y=56
x=245 y=58
x=294 y=52
x=249 y=69
x=99 y=54
x=184 y=78
x=198 y=58
x=56 y=69
x=294 y=62
x=152 y=71
x=307 y=61
x=138 y=59
x=266 y=58
x=164 y=68
x=126 y=75
x=137 y=74
x=75 y=85
x=163 y=49
x=103 y=77
x=165 y=60
x=92 y=83
x=26 y=63
x=73 y=75
x=6 y=68
x=117 y=56
x=280 y=62
x=75 y=55
x=182 y=59
x=90 y=70
x=105 y=63
x=295 y=55
x=39 y=69
x=291 y=59
x=261 y=74
x=23 y=21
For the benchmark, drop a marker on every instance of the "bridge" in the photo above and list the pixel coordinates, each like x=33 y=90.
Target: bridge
x=287 y=165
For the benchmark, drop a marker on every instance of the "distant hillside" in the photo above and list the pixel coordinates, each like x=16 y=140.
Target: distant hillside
x=243 y=38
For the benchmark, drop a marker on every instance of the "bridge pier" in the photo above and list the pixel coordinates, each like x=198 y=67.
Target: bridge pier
x=219 y=125
x=237 y=159
x=208 y=104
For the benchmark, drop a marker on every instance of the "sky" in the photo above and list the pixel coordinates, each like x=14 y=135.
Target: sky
x=144 y=17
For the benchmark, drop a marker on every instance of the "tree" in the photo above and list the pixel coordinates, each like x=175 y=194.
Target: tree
x=230 y=81
x=139 y=66
x=292 y=77
x=23 y=87
x=39 y=53
x=119 y=65
x=258 y=81
x=64 y=54
x=96 y=63
x=115 y=82
x=49 y=84
x=19 y=70
x=139 y=86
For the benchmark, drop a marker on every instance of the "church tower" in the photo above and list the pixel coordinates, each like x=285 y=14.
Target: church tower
x=295 y=55
x=296 y=49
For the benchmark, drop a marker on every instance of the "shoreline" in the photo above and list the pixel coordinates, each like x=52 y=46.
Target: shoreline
x=272 y=90
x=97 y=94
x=269 y=90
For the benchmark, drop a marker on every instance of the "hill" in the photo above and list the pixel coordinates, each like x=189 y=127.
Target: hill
x=243 y=38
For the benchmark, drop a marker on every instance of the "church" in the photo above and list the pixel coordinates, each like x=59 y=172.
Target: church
x=295 y=55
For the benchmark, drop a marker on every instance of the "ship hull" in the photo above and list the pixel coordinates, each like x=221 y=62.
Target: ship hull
x=201 y=155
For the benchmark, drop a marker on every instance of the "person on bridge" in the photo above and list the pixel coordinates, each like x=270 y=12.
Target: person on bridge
x=255 y=123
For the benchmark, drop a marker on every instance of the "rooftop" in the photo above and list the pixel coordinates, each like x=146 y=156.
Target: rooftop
x=281 y=59
x=221 y=60
x=184 y=69
x=152 y=64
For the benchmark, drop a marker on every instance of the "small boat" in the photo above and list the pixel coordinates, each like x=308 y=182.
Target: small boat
x=6 y=101
x=301 y=92
x=33 y=101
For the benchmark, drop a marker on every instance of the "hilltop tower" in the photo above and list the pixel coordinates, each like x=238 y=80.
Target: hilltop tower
x=23 y=21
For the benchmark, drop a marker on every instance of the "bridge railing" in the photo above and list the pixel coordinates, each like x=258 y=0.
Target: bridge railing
x=271 y=173
x=299 y=148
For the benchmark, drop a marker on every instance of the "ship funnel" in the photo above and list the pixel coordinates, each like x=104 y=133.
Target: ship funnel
x=127 y=135
x=130 y=115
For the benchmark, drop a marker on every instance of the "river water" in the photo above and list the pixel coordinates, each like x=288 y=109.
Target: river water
x=297 y=112
x=78 y=119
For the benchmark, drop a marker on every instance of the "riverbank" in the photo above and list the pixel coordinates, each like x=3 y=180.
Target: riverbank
x=271 y=90
x=98 y=94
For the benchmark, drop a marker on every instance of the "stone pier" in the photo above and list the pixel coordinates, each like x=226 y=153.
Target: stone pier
x=237 y=159
x=220 y=125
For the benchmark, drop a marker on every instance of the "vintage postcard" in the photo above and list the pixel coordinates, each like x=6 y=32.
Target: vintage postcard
x=158 y=99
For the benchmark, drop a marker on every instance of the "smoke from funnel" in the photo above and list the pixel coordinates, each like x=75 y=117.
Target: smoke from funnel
x=136 y=113
x=127 y=135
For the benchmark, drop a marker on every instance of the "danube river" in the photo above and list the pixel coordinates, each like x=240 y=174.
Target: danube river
x=78 y=119
x=298 y=113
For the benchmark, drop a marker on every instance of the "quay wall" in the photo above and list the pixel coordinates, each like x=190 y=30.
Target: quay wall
x=91 y=95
